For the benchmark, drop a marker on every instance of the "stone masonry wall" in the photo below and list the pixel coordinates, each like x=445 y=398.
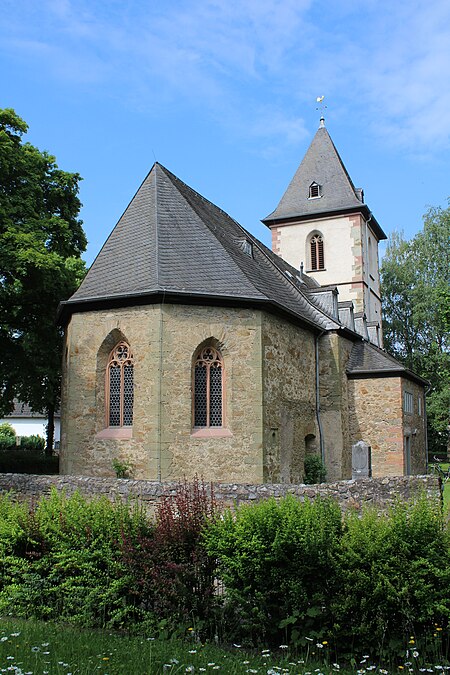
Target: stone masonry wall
x=350 y=494
x=334 y=352
x=289 y=398
x=162 y=445
x=414 y=426
x=376 y=417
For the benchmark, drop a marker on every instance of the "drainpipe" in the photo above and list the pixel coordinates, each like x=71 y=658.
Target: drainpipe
x=160 y=405
x=319 y=421
x=425 y=421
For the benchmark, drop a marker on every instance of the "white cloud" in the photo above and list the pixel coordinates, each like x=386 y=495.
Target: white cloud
x=255 y=65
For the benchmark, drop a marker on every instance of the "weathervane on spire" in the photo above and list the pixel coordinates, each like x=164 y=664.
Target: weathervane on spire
x=321 y=106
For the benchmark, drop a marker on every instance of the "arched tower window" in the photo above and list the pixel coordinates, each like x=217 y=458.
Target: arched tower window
x=208 y=388
x=316 y=253
x=119 y=386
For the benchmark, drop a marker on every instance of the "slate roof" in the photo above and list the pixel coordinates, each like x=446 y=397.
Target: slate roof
x=367 y=359
x=171 y=242
x=322 y=164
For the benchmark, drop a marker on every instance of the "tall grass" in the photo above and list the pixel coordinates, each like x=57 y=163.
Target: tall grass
x=37 y=648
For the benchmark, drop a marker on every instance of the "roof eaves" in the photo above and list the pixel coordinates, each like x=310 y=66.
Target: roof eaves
x=386 y=372
x=347 y=210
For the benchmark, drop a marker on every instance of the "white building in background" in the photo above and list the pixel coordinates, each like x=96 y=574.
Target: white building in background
x=28 y=423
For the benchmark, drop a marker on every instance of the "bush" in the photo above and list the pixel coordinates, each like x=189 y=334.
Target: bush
x=7 y=431
x=63 y=560
x=315 y=471
x=290 y=572
x=173 y=575
x=277 y=561
x=16 y=461
x=394 y=576
x=32 y=443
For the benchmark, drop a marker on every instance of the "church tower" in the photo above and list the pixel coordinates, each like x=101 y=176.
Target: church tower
x=323 y=224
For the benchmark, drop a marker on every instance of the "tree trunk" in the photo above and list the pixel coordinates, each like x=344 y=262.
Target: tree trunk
x=50 y=431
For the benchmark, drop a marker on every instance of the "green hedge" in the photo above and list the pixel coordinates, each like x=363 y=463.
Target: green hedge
x=270 y=573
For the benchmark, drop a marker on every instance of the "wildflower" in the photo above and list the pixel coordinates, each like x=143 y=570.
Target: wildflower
x=192 y=651
x=35 y=649
x=324 y=642
x=105 y=658
x=213 y=664
x=189 y=669
x=284 y=647
x=175 y=661
x=265 y=651
x=16 y=634
x=216 y=667
x=245 y=663
x=383 y=672
x=438 y=628
x=415 y=653
x=10 y=658
x=319 y=645
x=265 y=656
x=3 y=639
x=45 y=644
x=237 y=646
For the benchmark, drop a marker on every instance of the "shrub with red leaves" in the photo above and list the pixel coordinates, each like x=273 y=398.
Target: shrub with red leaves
x=173 y=576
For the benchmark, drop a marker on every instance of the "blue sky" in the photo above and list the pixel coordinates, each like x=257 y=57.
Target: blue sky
x=223 y=93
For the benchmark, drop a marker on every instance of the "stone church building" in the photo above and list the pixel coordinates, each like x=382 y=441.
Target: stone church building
x=192 y=348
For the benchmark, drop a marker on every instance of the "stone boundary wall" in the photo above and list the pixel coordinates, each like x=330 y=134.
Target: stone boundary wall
x=380 y=492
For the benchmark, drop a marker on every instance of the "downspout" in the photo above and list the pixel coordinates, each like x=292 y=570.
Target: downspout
x=319 y=421
x=425 y=421
x=160 y=405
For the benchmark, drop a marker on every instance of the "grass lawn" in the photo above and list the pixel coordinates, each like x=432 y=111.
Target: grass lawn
x=28 y=647
x=37 y=648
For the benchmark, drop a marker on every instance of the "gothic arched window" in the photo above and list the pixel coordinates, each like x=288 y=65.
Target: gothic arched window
x=208 y=388
x=316 y=253
x=119 y=386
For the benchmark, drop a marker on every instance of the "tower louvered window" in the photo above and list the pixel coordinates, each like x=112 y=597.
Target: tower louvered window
x=119 y=386
x=317 y=257
x=314 y=191
x=208 y=388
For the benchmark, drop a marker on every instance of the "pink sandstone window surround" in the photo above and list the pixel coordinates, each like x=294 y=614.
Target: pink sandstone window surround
x=208 y=395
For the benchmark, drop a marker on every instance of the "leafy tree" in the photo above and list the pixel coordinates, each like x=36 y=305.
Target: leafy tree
x=42 y=240
x=416 y=313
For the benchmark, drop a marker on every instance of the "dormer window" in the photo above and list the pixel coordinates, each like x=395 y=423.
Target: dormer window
x=247 y=247
x=314 y=191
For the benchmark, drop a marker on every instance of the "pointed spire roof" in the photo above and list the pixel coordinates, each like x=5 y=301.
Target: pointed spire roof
x=323 y=166
x=173 y=245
